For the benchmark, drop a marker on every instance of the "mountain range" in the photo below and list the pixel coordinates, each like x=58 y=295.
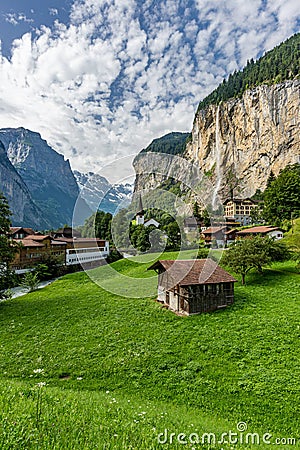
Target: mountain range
x=100 y=194
x=245 y=129
x=41 y=187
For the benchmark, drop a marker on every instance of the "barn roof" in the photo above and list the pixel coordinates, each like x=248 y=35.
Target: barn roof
x=194 y=271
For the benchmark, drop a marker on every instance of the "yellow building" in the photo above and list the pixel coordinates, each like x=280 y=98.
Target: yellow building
x=240 y=209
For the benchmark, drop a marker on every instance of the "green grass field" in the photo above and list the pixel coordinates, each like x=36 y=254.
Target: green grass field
x=119 y=371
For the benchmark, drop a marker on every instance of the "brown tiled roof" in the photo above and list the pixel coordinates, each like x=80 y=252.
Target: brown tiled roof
x=230 y=231
x=29 y=243
x=37 y=237
x=261 y=229
x=213 y=230
x=194 y=271
x=15 y=229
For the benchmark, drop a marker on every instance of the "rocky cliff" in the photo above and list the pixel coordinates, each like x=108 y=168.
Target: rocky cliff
x=47 y=175
x=25 y=212
x=240 y=141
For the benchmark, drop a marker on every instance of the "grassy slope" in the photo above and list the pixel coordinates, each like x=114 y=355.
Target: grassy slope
x=203 y=373
x=293 y=236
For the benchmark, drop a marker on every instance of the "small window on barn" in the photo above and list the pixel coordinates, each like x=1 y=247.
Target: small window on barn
x=167 y=298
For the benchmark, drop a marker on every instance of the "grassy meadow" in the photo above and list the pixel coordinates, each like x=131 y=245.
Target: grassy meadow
x=82 y=368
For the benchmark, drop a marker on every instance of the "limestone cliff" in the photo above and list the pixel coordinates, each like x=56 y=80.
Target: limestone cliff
x=240 y=141
x=237 y=143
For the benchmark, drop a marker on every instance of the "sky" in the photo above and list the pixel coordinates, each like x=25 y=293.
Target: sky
x=99 y=80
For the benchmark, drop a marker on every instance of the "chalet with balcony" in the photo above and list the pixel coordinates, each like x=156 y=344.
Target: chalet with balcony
x=193 y=286
x=34 y=248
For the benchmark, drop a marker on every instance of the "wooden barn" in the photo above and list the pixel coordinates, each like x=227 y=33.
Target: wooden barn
x=193 y=286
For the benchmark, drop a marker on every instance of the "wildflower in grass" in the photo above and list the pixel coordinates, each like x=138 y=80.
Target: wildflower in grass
x=79 y=378
x=107 y=392
x=38 y=371
x=41 y=384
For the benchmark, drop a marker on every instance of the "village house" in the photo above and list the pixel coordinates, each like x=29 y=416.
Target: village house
x=240 y=209
x=192 y=224
x=214 y=236
x=273 y=232
x=68 y=250
x=20 y=232
x=34 y=248
x=193 y=286
x=219 y=236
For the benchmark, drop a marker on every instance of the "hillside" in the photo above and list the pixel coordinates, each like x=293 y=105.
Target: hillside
x=119 y=371
x=279 y=64
x=292 y=237
x=172 y=143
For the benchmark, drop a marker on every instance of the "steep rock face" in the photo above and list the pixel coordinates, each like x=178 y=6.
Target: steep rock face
x=98 y=193
x=47 y=175
x=240 y=141
x=23 y=208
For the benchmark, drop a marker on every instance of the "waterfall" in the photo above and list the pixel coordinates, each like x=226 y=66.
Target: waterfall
x=218 y=161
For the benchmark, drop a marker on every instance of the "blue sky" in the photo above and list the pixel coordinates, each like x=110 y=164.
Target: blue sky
x=100 y=79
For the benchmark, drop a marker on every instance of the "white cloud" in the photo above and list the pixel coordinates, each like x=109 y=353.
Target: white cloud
x=124 y=72
x=15 y=19
x=53 y=11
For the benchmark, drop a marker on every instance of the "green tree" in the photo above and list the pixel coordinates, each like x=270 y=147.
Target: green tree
x=174 y=236
x=98 y=225
x=206 y=218
x=197 y=211
x=254 y=253
x=8 y=248
x=121 y=230
x=30 y=281
x=277 y=65
x=282 y=196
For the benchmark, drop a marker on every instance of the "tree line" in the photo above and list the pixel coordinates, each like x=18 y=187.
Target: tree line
x=280 y=64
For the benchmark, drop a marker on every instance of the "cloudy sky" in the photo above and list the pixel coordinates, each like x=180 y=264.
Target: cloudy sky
x=100 y=79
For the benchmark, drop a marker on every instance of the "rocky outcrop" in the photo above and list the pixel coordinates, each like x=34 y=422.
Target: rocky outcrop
x=23 y=208
x=240 y=141
x=47 y=175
